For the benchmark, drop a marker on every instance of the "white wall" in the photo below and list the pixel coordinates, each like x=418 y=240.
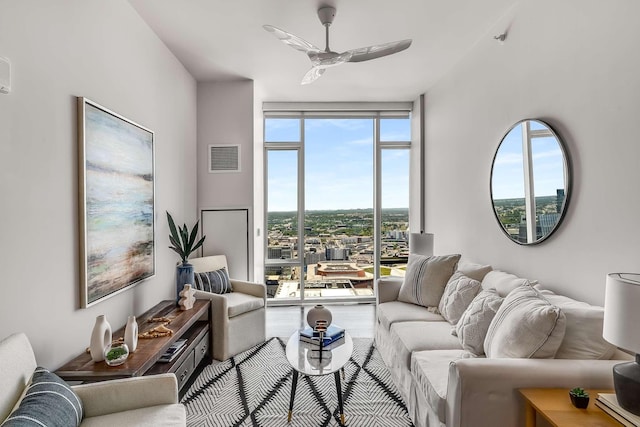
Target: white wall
x=105 y=52
x=226 y=116
x=573 y=64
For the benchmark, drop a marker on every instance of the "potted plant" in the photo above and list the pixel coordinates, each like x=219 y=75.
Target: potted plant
x=183 y=242
x=579 y=397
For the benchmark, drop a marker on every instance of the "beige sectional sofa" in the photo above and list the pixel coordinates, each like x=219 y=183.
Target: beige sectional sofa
x=444 y=384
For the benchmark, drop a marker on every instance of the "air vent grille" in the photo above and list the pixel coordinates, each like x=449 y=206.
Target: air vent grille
x=224 y=158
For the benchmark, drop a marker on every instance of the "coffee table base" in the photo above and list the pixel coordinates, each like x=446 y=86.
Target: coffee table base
x=294 y=385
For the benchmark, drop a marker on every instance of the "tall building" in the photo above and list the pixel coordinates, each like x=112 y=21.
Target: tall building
x=337 y=254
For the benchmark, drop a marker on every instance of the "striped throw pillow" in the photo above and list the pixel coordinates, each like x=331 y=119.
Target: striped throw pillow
x=216 y=281
x=426 y=278
x=48 y=401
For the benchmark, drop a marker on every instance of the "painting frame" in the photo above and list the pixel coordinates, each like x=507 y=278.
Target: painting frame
x=116 y=203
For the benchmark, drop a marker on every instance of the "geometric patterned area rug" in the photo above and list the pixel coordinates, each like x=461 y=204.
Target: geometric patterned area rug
x=253 y=389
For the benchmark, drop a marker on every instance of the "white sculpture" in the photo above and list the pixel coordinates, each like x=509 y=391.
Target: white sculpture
x=187 y=297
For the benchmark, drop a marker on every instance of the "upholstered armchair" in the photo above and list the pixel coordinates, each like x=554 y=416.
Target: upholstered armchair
x=239 y=316
x=138 y=401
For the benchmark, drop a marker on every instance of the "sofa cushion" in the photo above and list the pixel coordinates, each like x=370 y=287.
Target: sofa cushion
x=474 y=270
x=426 y=278
x=396 y=311
x=583 y=335
x=49 y=401
x=408 y=337
x=457 y=296
x=430 y=370
x=239 y=303
x=526 y=325
x=216 y=281
x=474 y=323
x=502 y=282
x=153 y=416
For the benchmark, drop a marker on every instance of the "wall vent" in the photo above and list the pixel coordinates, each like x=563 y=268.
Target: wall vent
x=224 y=158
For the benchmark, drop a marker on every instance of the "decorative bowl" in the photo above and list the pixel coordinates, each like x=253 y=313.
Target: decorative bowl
x=116 y=354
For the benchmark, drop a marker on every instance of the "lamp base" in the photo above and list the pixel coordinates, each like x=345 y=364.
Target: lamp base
x=626 y=381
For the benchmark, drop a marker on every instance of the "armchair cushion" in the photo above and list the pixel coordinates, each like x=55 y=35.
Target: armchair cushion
x=239 y=303
x=48 y=401
x=216 y=281
x=152 y=416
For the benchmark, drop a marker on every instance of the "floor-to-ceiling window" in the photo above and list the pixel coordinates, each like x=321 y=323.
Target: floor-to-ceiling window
x=337 y=202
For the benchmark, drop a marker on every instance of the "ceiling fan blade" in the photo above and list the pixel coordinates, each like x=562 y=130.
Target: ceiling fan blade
x=312 y=75
x=377 y=51
x=292 y=40
x=329 y=59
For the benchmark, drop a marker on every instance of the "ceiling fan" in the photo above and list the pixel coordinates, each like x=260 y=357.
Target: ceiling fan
x=323 y=59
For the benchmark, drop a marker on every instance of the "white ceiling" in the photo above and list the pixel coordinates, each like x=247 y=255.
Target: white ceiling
x=224 y=40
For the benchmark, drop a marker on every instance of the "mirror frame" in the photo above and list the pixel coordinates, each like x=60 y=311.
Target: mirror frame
x=568 y=182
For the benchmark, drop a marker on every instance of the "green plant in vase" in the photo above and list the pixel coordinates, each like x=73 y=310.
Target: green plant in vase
x=183 y=242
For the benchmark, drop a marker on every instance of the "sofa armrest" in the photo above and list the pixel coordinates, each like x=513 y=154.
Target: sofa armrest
x=484 y=392
x=389 y=288
x=125 y=394
x=250 y=288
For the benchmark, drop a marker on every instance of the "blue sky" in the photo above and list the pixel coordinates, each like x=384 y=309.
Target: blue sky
x=338 y=164
x=508 y=172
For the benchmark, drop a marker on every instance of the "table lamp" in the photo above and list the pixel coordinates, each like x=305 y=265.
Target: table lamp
x=421 y=243
x=622 y=329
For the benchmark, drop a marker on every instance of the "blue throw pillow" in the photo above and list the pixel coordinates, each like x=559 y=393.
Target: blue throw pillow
x=216 y=281
x=49 y=401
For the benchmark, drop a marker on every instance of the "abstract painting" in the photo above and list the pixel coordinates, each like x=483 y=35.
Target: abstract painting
x=116 y=179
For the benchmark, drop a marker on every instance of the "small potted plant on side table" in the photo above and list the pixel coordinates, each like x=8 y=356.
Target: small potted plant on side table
x=579 y=397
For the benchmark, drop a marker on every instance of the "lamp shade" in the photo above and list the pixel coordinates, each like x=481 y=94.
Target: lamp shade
x=421 y=243
x=622 y=311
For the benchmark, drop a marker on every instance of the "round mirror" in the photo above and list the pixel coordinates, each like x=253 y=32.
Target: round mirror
x=530 y=180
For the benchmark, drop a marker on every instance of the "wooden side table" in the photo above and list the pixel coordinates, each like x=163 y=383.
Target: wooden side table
x=194 y=325
x=555 y=406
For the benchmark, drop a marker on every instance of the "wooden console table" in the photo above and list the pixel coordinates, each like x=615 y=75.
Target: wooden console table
x=194 y=325
x=555 y=406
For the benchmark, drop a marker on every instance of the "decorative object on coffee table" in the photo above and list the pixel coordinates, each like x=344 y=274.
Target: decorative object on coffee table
x=131 y=334
x=116 y=354
x=100 y=338
x=183 y=243
x=187 y=297
x=319 y=312
x=579 y=397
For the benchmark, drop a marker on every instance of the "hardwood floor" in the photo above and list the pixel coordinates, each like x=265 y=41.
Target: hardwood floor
x=358 y=319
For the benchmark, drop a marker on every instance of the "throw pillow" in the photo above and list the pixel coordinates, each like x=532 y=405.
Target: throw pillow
x=502 y=282
x=583 y=336
x=425 y=279
x=216 y=282
x=474 y=270
x=48 y=401
x=472 y=327
x=525 y=326
x=457 y=296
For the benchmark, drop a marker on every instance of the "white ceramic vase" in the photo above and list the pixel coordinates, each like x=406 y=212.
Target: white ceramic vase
x=131 y=334
x=319 y=312
x=100 y=338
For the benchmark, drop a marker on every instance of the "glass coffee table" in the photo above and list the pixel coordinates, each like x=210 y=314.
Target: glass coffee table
x=305 y=359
